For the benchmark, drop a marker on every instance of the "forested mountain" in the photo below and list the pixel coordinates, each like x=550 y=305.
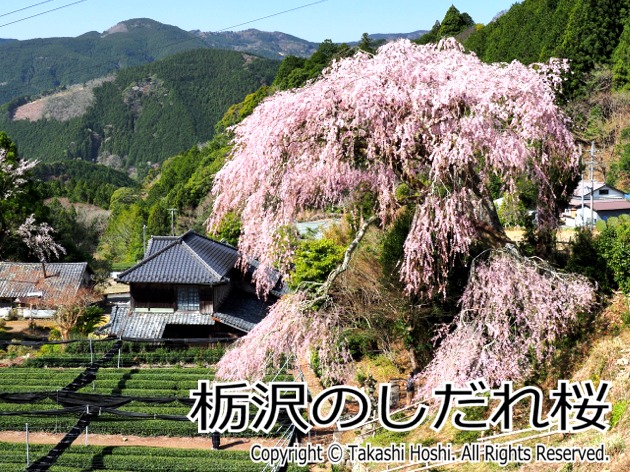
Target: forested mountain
x=37 y=65
x=148 y=112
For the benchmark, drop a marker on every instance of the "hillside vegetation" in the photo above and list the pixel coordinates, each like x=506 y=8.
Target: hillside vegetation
x=146 y=113
x=37 y=65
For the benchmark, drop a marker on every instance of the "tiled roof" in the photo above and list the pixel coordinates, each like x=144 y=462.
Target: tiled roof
x=187 y=259
x=242 y=311
x=150 y=325
x=22 y=279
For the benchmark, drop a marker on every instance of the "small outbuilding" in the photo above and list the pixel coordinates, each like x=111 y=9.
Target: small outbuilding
x=33 y=293
x=606 y=201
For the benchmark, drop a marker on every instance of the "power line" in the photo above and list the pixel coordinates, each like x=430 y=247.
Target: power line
x=42 y=13
x=25 y=8
x=269 y=16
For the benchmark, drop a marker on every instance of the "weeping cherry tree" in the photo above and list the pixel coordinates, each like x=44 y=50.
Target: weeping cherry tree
x=444 y=125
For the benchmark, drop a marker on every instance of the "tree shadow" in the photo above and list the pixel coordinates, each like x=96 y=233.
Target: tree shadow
x=98 y=460
x=117 y=390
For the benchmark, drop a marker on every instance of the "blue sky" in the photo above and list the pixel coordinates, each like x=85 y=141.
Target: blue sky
x=339 y=20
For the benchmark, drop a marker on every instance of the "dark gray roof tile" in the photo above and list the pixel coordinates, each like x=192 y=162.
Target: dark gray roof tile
x=187 y=259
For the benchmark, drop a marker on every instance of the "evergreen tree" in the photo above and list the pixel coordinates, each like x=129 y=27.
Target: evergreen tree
x=454 y=22
x=621 y=59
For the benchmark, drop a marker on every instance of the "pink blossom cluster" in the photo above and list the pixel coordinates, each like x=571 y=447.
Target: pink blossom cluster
x=290 y=328
x=432 y=117
x=39 y=240
x=513 y=311
x=12 y=174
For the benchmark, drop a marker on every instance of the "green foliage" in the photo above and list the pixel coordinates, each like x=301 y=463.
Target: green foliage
x=512 y=212
x=367 y=44
x=614 y=247
x=584 y=31
x=158 y=221
x=122 y=240
x=34 y=66
x=618 y=410
x=586 y=258
x=89 y=320
x=454 y=22
x=619 y=172
x=473 y=413
x=430 y=37
x=392 y=244
x=315 y=259
x=295 y=73
x=183 y=181
x=139 y=459
x=621 y=58
x=361 y=343
x=80 y=181
x=237 y=112
x=229 y=229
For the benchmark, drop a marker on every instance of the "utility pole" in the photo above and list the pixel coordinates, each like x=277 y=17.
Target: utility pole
x=582 y=187
x=144 y=241
x=172 y=210
x=592 y=163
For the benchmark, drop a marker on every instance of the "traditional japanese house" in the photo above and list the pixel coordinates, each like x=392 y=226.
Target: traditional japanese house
x=188 y=287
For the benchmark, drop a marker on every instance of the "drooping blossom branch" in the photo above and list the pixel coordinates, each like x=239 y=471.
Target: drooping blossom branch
x=513 y=311
x=432 y=117
x=39 y=240
x=298 y=322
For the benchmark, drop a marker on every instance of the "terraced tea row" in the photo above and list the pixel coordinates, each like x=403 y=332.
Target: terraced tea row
x=138 y=459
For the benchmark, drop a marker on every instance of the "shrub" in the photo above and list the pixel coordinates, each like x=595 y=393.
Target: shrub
x=315 y=259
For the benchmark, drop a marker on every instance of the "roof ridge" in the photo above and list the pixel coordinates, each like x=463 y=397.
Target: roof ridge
x=204 y=263
x=227 y=245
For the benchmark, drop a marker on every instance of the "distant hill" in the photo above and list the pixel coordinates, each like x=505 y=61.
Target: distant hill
x=277 y=45
x=144 y=115
x=393 y=36
x=272 y=45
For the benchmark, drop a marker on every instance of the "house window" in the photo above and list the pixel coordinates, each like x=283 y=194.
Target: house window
x=187 y=298
x=603 y=191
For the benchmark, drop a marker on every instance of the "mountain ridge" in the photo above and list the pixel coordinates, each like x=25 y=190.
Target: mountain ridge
x=34 y=66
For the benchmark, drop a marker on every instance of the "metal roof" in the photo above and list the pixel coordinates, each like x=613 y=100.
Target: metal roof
x=584 y=187
x=25 y=279
x=609 y=205
x=187 y=259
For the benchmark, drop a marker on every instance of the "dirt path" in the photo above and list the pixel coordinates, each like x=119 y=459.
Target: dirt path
x=197 y=442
